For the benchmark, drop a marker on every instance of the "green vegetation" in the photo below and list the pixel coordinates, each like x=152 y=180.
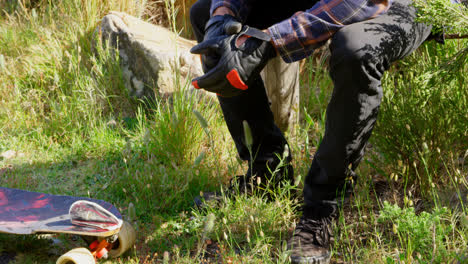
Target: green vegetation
x=423 y=234
x=444 y=15
x=65 y=114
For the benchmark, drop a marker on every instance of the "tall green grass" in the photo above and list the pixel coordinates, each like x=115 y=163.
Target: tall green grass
x=423 y=125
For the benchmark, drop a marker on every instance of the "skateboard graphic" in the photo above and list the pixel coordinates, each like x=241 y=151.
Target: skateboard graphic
x=98 y=222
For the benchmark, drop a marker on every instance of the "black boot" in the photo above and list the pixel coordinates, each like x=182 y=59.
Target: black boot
x=311 y=239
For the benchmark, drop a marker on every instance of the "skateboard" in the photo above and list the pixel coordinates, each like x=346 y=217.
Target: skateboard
x=98 y=222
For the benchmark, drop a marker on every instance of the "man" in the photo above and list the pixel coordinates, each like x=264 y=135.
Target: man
x=366 y=37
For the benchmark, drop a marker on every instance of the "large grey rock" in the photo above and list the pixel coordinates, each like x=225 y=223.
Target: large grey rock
x=150 y=56
x=154 y=60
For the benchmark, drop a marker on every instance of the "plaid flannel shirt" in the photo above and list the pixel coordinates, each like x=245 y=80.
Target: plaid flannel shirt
x=297 y=37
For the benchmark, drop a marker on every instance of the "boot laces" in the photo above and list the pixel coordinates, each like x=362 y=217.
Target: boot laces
x=317 y=230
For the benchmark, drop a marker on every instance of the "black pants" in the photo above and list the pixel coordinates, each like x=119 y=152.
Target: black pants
x=360 y=53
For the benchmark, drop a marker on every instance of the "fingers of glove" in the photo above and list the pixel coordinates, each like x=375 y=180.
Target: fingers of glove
x=232 y=27
x=217 y=81
x=212 y=80
x=207 y=46
x=209 y=61
x=217 y=20
x=220 y=77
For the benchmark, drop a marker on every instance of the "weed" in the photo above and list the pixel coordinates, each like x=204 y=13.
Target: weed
x=423 y=234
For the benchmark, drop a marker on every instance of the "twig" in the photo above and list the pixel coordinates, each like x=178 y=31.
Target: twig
x=455 y=36
x=434 y=243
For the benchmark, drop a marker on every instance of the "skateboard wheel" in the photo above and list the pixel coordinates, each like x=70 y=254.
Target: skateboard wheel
x=126 y=239
x=77 y=256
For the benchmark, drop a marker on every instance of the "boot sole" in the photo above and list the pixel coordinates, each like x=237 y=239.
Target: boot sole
x=324 y=259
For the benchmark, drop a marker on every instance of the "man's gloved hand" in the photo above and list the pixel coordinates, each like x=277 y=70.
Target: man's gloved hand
x=237 y=66
x=216 y=27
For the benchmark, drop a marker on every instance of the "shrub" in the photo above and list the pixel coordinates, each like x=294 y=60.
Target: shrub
x=423 y=234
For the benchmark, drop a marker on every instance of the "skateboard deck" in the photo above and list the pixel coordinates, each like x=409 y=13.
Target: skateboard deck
x=25 y=212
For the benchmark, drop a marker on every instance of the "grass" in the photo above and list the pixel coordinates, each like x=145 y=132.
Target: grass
x=74 y=130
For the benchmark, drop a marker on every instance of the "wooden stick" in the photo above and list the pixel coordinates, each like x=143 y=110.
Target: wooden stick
x=455 y=36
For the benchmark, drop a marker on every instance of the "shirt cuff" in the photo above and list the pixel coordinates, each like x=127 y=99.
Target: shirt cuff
x=285 y=42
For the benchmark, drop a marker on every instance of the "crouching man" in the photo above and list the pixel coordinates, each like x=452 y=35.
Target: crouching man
x=238 y=37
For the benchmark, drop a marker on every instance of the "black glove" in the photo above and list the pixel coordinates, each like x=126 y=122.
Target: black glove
x=238 y=66
x=215 y=27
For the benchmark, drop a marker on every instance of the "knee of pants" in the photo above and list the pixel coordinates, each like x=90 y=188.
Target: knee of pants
x=357 y=64
x=352 y=51
x=199 y=15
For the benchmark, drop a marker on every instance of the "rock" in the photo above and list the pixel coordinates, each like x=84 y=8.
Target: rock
x=150 y=56
x=9 y=154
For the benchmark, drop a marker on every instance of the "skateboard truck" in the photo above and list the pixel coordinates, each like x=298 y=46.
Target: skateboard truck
x=100 y=249
x=112 y=246
x=89 y=214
